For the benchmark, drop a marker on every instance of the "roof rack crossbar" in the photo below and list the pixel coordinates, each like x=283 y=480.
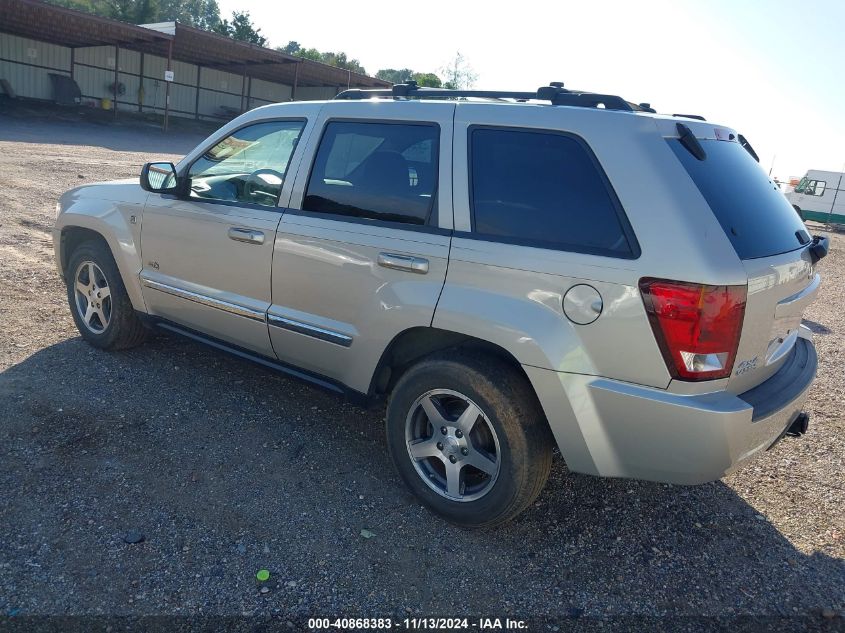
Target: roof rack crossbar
x=555 y=93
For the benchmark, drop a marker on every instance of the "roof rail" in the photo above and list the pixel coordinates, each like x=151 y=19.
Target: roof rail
x=554 y=92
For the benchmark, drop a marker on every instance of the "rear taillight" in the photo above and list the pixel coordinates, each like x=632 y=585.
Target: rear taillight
x=697 y=327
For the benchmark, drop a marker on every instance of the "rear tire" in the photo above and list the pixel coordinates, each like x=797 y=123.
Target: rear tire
x=98 y=300
x=498 y=454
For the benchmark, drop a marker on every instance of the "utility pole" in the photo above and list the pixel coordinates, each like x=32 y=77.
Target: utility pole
x=835 y=194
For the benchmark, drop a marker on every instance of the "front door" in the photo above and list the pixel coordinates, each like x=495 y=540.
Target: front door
x=207 y=258
x=361 y=256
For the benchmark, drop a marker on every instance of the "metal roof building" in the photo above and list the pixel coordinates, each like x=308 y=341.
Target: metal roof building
x=168 y=68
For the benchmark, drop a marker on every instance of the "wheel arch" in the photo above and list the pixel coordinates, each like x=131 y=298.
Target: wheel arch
x=416 y=343
x=72 y=235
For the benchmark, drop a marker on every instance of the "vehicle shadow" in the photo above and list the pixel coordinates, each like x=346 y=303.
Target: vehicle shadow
x=227 y=468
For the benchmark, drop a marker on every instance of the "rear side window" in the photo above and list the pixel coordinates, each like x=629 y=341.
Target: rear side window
x=544 y=189
x=755 y=215
x=378 y=171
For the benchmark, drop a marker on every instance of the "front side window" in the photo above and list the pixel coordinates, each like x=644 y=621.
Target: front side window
x=376 y=171
x=248 y=166
x=818 y=188
x=543 y=189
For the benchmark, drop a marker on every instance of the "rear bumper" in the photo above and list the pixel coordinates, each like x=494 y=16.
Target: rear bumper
x=613 y=429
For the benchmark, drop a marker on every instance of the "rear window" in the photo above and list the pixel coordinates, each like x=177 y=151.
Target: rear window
x=753 y=212
x=544 y=189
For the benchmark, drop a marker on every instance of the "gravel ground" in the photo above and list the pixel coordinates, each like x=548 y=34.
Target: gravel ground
x=226 y=468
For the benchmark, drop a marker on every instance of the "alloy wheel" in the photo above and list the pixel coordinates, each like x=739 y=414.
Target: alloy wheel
x=92 y=297
x=453 y=445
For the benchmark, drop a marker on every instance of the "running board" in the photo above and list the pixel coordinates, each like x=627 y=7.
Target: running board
x=318 y=381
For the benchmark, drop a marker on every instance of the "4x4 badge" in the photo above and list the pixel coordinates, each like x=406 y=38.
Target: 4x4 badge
x=746 y=365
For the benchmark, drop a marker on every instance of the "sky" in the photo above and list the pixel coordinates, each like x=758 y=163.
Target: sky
x=773 y=70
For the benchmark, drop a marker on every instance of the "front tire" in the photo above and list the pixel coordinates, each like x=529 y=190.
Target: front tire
x=101 y=309
x=467 y=435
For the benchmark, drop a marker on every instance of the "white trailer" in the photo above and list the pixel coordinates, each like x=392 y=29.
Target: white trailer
x=820 y=196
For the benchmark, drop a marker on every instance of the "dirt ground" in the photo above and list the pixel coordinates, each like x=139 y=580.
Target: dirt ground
x=226 y=468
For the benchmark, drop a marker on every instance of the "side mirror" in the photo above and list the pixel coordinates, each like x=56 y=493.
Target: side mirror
x=159 y=178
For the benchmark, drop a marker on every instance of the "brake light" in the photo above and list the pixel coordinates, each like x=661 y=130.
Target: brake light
x=697 y=327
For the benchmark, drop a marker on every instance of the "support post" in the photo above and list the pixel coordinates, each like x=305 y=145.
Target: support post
x=116 y=77
x=167 y=87
x=197 y=102
x=72 y=62
x=835 y=195
x=243 y=88
x=141 y=86
x=295 y=81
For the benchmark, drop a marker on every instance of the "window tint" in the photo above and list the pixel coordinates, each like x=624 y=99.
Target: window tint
x=755 y=215
x=381 y=171
x=249 y=166
x=543 y=189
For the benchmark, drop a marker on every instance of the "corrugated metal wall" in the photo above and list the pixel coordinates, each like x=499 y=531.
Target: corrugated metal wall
x=26 y=64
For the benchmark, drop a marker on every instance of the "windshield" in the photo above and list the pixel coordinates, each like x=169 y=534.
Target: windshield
x=799 y=188
x=755 y=215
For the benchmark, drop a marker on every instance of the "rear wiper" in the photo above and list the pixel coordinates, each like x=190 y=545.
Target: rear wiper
x=744 y=142
x=689 y=141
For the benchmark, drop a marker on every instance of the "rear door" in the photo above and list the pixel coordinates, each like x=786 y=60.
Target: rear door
x=361 y=254
x=770 y=240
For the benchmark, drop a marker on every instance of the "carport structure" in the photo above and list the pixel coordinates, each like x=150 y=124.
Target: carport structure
x=203 y=74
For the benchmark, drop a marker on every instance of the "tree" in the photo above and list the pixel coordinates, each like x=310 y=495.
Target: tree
x=202 y=14
x=241 y=28
x=395 y=76
x=458 y=74
x=291 y=48
x=339 y=60
x=429 y=80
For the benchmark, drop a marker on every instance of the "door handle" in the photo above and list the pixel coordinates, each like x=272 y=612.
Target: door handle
x=250 y=236
x=407 y=263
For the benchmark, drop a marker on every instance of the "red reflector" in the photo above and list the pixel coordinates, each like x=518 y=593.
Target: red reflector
x=697 y=327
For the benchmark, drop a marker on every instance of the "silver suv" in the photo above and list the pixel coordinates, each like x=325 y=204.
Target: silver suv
x=512 y=271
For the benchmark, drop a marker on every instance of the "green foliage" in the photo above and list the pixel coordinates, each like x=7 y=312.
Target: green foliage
x=241 y=28
x=458 y=74
x=392 y=75
x=429 y=80
x=202 y=14
x=395 y=76
x=134 y=11
x=339 y=60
